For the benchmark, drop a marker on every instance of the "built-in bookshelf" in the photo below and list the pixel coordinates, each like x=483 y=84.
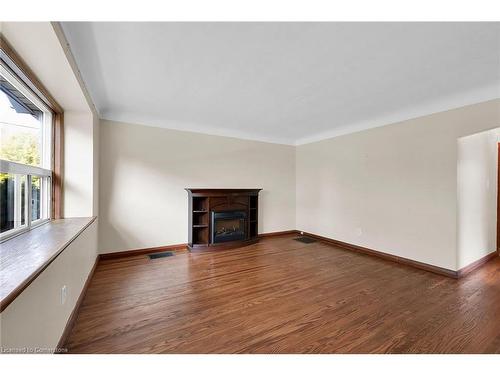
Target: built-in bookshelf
x=199 y=221
x=253 y=216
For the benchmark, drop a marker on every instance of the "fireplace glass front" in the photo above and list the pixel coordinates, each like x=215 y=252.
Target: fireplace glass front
x=228 y=226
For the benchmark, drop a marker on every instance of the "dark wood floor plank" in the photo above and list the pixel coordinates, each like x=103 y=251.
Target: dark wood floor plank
x=283 y=296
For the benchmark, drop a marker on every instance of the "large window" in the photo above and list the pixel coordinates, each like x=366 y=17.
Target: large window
x=26 y=155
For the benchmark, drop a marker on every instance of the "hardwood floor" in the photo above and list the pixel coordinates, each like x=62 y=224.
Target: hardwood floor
x=283 y=296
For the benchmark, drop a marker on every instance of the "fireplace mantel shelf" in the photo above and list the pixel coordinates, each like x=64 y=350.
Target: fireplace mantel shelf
x=204 y=206
x=221 y=192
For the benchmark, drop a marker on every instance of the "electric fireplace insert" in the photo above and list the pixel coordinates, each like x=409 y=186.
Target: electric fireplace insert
x=228 y=226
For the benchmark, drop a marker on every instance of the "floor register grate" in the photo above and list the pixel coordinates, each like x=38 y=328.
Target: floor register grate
x=305 y=239
x=161 y=255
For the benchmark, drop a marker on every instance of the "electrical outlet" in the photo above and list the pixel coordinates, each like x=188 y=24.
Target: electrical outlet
x=64 y=294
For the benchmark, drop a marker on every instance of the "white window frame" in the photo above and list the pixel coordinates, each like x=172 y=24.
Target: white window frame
x=44 y=171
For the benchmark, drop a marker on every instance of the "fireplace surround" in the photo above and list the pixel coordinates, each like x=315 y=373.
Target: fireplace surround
x=222 y=218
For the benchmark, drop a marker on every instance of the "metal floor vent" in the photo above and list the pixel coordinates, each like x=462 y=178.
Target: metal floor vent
x=305 y=239
x=161 y=255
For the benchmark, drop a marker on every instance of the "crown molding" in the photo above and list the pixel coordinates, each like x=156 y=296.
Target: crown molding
x=480 y=95
x=152 y=121
x=472 y=97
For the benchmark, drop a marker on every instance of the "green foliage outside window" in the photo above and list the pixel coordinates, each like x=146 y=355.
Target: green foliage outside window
x=20 y=148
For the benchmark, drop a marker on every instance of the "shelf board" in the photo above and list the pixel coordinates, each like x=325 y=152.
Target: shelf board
x=200 y=225
x=199 y=211
x=253 y=221
x=253 y=208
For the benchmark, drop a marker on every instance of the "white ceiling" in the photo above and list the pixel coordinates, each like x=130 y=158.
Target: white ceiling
x=288 y=83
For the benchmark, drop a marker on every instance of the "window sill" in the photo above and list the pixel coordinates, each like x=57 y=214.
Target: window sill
x=24 y=257
x=18 y=231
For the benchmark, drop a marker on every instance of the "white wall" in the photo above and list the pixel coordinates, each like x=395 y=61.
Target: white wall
x=392 y=189
x=36 y=318
x=144 y=171
x=80 y=173
x=95 y=166
x=477 y=195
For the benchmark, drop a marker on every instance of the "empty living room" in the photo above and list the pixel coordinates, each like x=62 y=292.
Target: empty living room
x=245 y=185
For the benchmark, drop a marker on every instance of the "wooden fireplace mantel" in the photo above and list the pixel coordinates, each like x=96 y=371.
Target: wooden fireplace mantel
x=203 y=201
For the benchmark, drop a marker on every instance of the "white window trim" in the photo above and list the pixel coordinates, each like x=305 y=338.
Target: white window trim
x=45 y=204
x=28 y=170
x=18 y=168
x=47 y=155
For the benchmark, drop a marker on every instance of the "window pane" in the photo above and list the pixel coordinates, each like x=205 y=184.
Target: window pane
x=40 y=187
x=12 y=201
x=36 y=206
x=21 y=127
